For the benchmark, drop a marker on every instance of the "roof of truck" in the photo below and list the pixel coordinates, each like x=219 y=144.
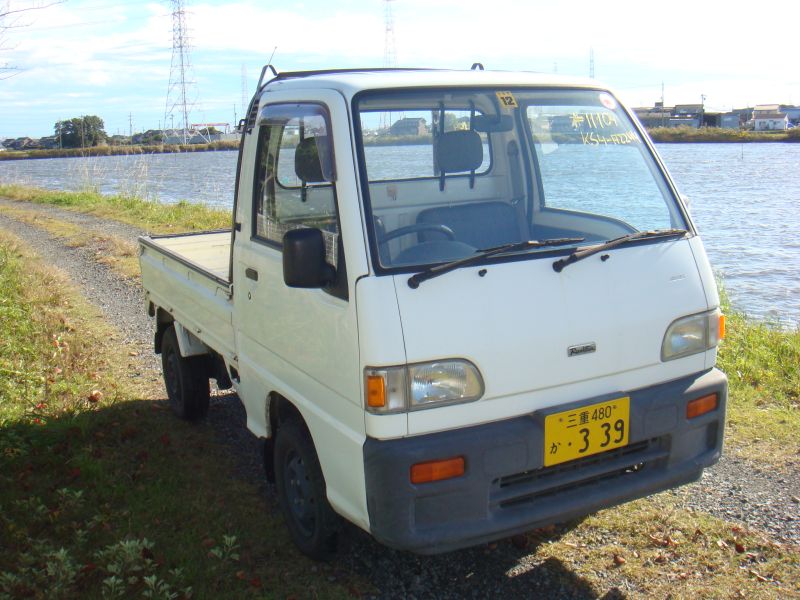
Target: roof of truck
x=352 y=81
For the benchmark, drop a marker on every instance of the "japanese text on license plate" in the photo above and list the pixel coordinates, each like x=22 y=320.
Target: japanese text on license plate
x=586 y=430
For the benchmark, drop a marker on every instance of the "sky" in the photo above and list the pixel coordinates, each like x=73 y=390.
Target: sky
x=112 y=59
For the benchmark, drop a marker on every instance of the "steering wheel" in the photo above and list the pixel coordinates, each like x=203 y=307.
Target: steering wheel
x=415 y=228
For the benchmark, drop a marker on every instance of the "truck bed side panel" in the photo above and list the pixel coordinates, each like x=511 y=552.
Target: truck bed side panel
x=196 y=296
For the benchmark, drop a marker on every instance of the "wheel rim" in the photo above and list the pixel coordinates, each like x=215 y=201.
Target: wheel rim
x=171 y=378
x=299 y=494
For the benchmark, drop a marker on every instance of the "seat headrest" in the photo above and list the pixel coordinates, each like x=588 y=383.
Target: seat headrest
x=309 y=157
x=458 y=151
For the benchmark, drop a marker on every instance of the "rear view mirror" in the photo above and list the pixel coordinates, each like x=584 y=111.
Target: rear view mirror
x=492 y=123
x=304 y=264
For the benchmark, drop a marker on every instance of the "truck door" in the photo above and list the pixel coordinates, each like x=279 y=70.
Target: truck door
x=302 y=343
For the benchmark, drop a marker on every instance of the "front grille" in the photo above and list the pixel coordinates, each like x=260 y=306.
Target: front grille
x=528 y=486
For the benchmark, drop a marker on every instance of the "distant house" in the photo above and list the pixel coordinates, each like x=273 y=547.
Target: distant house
x=731 y=120
x=656 y=116
x=770 y=121
x=792 y=112
x=409 y=126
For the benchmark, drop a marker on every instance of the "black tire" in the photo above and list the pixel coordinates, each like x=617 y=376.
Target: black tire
x=301 y=492
x=186 y=379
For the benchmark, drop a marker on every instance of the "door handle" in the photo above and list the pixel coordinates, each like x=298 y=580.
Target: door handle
x=251 y=274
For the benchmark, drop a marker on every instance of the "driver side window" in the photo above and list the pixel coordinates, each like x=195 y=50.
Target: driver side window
x=294 y=183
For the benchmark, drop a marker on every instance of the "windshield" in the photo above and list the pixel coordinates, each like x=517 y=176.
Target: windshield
x=451 y=172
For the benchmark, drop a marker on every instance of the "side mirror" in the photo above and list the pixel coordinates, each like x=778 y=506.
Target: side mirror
x=304 y=264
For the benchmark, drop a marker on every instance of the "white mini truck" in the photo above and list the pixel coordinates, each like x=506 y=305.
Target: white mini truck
x=457 y=305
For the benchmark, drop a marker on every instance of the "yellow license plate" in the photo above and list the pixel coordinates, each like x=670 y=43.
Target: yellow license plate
x=586 y=430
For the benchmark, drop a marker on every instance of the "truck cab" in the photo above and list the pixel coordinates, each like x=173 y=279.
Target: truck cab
x=457 y=305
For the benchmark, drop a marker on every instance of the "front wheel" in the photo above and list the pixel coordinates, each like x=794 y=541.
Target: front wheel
x=186 y=379
x=301 y=492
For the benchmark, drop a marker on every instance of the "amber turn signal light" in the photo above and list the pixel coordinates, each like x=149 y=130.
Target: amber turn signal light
x=701 y=406
x=376 y=391
x=436 y=470
x=721 y=328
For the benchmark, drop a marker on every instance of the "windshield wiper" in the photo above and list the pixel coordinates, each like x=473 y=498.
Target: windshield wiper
x=416 y=279
x=559 y=265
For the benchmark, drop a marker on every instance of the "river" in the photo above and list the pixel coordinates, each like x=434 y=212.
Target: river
x=745 y=200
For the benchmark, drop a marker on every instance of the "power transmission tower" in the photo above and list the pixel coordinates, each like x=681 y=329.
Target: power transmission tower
x=181 y=85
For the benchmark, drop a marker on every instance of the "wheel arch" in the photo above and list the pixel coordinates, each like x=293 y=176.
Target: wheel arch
x=279 y=409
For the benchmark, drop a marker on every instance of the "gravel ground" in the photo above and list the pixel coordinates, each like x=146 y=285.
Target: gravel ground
x=735 y=489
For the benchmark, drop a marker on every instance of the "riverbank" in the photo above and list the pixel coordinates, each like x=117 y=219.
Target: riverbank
x=117 y=150
x=717 y=135
x=667 y=135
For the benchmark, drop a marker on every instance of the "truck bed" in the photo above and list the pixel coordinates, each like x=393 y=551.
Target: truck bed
x=187 y=275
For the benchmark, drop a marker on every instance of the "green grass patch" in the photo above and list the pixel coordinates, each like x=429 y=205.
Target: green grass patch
x=103 y=494
x=762 y=361
x=148 y=214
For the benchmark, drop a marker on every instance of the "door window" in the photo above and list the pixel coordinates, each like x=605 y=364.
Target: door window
x=294 y=184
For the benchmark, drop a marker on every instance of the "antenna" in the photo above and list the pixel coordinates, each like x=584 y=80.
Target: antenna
x=591 y=63
x=180 y=80
x=389 y=51
x=245 y=97
x=389 y=48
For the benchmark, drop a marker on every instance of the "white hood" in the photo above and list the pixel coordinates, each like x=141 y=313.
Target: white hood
x=517 y=322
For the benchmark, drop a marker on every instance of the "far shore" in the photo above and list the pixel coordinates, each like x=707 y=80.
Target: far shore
x=666 y=135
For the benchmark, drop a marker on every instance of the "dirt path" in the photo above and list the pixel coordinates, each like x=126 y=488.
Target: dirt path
x=735 y=489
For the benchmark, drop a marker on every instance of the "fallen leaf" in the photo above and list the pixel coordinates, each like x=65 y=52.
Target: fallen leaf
x=739 y=547
x=758 y=576
x=241 y=575
x=660 y=559
x=207 y=543
x=722 y=544
x=619 y=560
x=256 y=582
x=657 y=540
x=95 y=396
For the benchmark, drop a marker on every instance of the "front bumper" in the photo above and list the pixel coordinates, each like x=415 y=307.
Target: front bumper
x=506 y=490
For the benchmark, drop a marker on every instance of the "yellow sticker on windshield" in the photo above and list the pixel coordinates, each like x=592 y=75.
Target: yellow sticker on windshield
x=507 y=100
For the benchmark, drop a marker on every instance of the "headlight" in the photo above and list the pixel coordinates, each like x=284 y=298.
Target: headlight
x=693 y=334
x=423 y=385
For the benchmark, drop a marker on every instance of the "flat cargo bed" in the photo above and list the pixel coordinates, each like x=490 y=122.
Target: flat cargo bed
x=208 y=251
x=187 y=275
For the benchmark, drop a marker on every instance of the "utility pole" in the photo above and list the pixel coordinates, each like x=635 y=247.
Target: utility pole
x=130 y=125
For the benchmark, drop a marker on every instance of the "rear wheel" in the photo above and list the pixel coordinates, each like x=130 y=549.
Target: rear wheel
x=186 y=379
x=301 y=492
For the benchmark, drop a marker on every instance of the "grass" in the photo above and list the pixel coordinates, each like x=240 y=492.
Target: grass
x=103 y=494
x=762 y=361
x=147 y=214
x=653 y=548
